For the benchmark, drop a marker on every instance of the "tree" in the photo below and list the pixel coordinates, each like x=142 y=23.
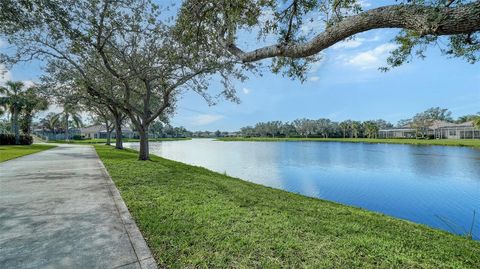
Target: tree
x=101 y=116
x=476 y=122
x=33 y=102
x=273 y=128
x=421 y=122
x=157 y=129
x=15 y=100
x=423 y=23
x=355 y=129
x=126 y=40
x=466 y=118
x=437 y=113
x=383 y=124
x=69 y=115
x=50 y=122
x=304 y=127
x=324 y=126
x=404 y=123
x=345 y=127
x=371 y=129
x=288 y=130
x=247 y=131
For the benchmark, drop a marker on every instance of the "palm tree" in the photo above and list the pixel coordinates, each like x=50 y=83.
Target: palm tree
x=33 y=103
x=345 y=126
x=71 y=111
x=14 y=101
x=476 y=122
x=50 y=122
x=355 y=127
x=371 y=129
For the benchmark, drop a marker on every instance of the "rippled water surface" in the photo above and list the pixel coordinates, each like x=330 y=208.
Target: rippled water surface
x=432 y=185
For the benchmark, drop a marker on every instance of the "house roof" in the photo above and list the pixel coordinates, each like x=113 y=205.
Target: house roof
x=436 y=124
x=99 y=128
x=443 y=124
x=92 y=129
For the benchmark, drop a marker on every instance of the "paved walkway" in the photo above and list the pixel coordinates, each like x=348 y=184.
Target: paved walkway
x=60 y=209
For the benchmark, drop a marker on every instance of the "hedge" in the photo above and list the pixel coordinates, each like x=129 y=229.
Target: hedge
x=9 y=139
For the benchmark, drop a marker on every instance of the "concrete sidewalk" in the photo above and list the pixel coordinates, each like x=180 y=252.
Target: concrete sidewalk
x=60 y=209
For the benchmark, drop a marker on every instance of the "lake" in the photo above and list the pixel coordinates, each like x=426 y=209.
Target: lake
x=434 y=185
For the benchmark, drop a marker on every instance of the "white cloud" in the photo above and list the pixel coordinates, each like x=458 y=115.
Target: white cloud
x=364 y=3
x=314 y=78
x=204 y=119
x=28 y=83
x=312 y=24
x=246 y=90
x=372 y=58
x=315 y=66
x=349 y=44
x=354 y=42
x=5 y=75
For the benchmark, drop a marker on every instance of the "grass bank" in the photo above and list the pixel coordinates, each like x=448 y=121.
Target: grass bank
x=103 y=140
x=435 y=142
x=11 y=152
x=192 y=217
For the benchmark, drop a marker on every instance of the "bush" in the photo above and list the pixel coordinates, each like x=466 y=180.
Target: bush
x=77 y=137
x=9 y=139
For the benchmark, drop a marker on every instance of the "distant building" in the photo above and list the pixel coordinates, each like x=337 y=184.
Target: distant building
x=438 y=130
x=99 y=131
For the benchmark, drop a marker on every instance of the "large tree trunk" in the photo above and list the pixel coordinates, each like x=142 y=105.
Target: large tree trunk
x=144 y=152
x=16 y=131
x=118 y=132
x=66 y=127
x=109 y=136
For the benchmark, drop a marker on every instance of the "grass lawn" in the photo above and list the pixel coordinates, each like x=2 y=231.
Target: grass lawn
x=10 y=152
x=437 y=142
x=195 y=218
x=104 y=140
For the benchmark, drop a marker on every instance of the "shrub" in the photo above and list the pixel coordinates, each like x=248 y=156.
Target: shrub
x=9 y=139
x=77 y=137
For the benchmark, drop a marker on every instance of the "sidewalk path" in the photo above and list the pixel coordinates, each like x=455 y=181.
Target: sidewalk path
x=60 y=209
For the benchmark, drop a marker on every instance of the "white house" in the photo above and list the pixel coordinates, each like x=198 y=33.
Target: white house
x=99 y=131
x=438 y=129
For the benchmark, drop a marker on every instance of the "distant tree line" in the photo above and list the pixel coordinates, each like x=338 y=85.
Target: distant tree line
x=326 y=128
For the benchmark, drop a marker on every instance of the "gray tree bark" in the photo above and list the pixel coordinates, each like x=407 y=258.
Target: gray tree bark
x=15 y=128
x=118 y=132
x=425 y=20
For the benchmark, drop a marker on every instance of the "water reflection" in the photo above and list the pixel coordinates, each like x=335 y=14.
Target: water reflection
x=416 y=183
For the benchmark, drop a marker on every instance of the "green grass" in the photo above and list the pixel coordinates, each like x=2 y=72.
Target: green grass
x=195 y=218
x=436 y=142
x=11 y=152
x=104 y=140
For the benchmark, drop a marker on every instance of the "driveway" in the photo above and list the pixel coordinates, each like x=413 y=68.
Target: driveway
x=60 y=209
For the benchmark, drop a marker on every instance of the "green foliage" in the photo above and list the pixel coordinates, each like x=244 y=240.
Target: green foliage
x=476 y=122
x=22 y=103
x=11 y=152
x=195 y=218
x=9 y=139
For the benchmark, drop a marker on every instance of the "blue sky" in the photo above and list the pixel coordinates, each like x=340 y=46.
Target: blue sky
x=345 y=84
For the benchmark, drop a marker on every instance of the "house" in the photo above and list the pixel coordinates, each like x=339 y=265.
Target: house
x=99 y=131
x=438 y=129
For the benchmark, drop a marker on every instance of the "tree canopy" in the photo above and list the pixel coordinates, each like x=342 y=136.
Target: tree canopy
x=294 y=32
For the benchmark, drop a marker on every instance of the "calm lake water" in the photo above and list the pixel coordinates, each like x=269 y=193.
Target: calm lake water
x=425 y=184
